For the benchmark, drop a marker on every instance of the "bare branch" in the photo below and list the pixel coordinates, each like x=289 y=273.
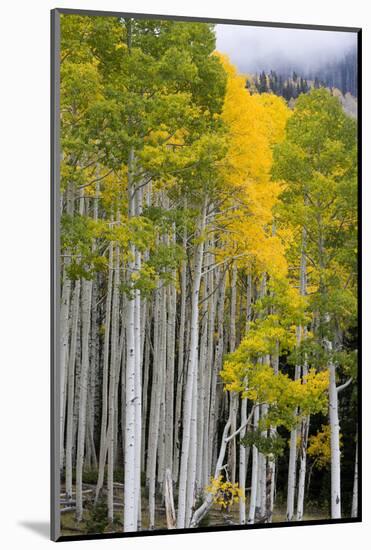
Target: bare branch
x=345 y=385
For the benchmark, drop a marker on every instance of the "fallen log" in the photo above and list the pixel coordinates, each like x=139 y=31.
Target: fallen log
x=68 y=509
x=169 y=501
x=74 y=492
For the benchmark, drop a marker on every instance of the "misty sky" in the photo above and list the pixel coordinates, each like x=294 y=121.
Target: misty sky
x=254 y=49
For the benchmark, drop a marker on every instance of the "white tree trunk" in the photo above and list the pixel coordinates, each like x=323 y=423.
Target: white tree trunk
x=85 y=318
x=193 y=445
x=218 y=358
x=254 y=473
x=335 y=444
x=138 y=395
x=170 y=366
x=64 y=332
x=130 y=494
x=154 y=419
x=242 y=466
x=208 y=501
x=291 y=480
x=132 y=378
x=106 y=346
x=112 y=383
x=71 y=385
x=202 y=381
x=190 y=391
x=180 y=363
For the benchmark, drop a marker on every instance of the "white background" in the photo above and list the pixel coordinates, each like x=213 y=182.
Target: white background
x=24 y=270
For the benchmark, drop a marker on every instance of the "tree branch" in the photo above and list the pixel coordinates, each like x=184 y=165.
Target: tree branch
x=345 y=385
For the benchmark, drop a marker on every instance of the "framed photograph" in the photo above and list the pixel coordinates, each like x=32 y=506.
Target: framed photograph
x=205 y=268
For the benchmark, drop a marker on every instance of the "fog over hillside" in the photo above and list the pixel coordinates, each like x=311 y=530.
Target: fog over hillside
x=254 y=49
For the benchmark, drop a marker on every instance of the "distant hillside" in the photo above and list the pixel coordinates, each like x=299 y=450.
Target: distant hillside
x=341 y=75
x=289 y=82
x=290 y=88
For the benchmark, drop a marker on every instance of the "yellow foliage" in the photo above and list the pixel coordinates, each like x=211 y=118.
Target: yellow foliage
x=224 y=493
x=319 y=447
x=255 y=124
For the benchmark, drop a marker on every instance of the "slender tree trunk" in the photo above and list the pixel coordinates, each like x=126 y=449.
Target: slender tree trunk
x=242 y=465
x=85 y=318
x=210 y=369
x=193 y=445
x=132 y=380
x=106 y=346
x=219 y=351
x=189 y=417
x=154 y=419
x=233 y=404
x=291 y=480
x=138 y=374
x=302 y=457
x=262 y=497
x=71 y=385
x=64 y=332
x=233 y=398
x=291 y=485
x=208 y=501
x=64 y=328
x=254 y=473
x=170 y=365
x=130 y=493
x=202 y=381
x=181 y=353
x=112 y=383
x=146 y=397
x=335 y=444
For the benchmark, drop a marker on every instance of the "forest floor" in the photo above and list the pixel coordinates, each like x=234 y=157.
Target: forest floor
x=216 y=516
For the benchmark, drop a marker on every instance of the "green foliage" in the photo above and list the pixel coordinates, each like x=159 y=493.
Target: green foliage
x=272 y=446
x=97 y=520
x=317 y=162
x=77 y=233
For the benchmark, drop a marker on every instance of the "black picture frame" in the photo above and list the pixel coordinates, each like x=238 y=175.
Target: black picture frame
x=55 y=269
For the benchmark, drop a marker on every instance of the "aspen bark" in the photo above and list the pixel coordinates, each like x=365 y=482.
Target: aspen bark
x=254 y=473
x=132 y=379
x=242 y=465
x=85 y=318
x=291 y=482
x=209 y=380
x=170 y=365
x=112 y=383
x=64 y=332
x=219 y=350
x=181 y=360
x=64 y=327
x=335 y=444
x=154 y=419
x=202 y=380
x=200 y=512
x=71 y=385
x=190 y=391
x=302 y=457
x=262 y=472
x=106 y=345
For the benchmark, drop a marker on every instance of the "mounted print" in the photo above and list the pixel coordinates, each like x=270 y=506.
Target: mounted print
x=205 y=265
